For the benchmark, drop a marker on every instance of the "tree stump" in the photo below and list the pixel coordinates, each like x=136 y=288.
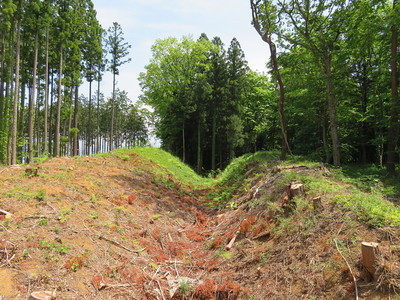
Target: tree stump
x=369 y=257
x=317 y=203
x=296 y=189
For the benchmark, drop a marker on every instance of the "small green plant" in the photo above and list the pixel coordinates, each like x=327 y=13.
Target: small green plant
x=94 y=215
x=156 y=217
x=93 y=198
x=41 y=195
x=65 y=214
x=25 y=254
x=43 y=222
x=184 y=287
x=53 y=249
x=223 y=253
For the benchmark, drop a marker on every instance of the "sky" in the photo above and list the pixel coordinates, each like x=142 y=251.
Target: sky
x=145 y=21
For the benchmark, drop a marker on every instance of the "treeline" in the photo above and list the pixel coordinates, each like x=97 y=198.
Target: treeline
x=338 y=63
x=332 y=92
x=209 y=106
x=48 y=48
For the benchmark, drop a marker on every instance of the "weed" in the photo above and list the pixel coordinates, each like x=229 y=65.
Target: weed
x=94 y=215
x=65 y=214
x=43 y=222
x=41 y=195
x=93 y=198
x=223 y=253
x=184 y=287
x=53 y=249
x=155 y=217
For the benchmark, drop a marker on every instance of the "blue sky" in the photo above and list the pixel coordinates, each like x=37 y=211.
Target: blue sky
x=145 y=21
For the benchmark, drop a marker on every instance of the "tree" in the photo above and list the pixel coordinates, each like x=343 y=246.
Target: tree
x=169 y=85
x=118 y=50
x=265 y=18
x=393 y=131
x=317 y=25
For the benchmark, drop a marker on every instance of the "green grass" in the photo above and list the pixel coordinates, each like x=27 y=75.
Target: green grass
x=361 y=189
x=168 y=165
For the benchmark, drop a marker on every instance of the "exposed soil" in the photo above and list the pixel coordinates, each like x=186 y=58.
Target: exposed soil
x=107 y=228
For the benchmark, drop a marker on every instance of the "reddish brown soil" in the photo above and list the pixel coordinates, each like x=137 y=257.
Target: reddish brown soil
x=107 y=228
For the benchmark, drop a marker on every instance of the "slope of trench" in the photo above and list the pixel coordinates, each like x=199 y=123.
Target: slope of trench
x=98 y=228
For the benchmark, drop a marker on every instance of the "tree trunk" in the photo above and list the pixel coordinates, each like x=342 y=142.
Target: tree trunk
x=98 y=148
x=281 y=103
x=89 y=128
x=32 y=101
x=76 y=117
x=394 y=111
x=112 y=115
x=199 y=164
x=3 y=112
x=332 y=110
x=16 y=97
x=183 y=142
x=213 y=141
x=59 y=100
x=46 y=96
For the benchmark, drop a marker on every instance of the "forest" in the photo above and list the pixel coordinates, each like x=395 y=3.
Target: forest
x=48 y=49
x=331 y=93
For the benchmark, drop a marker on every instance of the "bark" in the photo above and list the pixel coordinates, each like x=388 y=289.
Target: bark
x=59 y=100
x=76 y=117
x=213 y=141
x=98 y=148
x=89 y=129
x=183 y=142
x=46 y=96
x=16 y=97
x=266 y=35
x=112 y=114
x=281 y=103
x=199 y=162
x=3 y=104
x=394 y=112
x=32 y=100
x=332 y=109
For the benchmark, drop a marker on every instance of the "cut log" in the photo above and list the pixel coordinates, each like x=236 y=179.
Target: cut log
x=369 y=257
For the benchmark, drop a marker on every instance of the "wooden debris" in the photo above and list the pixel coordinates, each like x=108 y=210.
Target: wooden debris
x=230 y=244
x=99 y=282
x=369 y=257
x=119 y=245
x=46 y=295
x=5 y=215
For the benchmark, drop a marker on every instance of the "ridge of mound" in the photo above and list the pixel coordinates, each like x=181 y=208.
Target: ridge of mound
x=124 y=226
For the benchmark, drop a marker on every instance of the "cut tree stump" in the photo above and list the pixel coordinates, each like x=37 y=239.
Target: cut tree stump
x=317 y=203
x=369 y=257
x=296 y=189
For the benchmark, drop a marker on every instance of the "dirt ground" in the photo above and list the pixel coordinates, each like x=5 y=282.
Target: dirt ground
x=108 y=228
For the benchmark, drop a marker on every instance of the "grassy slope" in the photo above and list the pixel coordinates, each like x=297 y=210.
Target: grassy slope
x=356 y=188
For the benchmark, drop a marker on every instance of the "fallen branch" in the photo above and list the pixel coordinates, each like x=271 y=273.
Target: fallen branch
x=118 y=244
x=230 y=245
x=351 y=271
